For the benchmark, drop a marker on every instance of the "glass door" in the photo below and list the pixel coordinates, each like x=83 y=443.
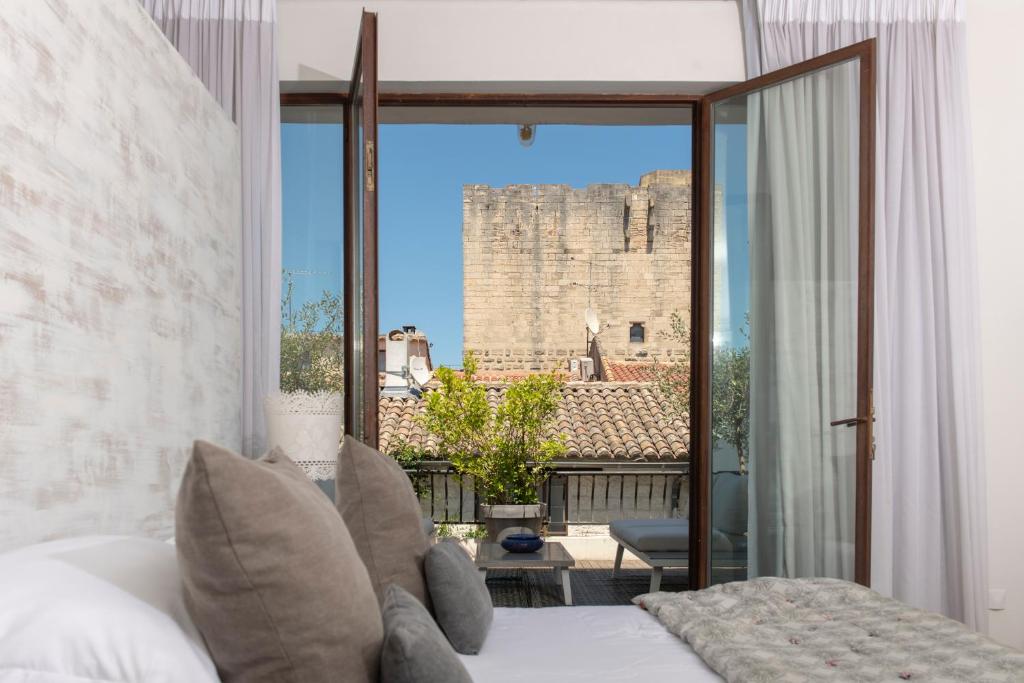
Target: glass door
x=784 y=361
x=360 y=248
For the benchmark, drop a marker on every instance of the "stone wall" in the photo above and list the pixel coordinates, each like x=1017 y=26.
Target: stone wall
x=534 y=256
x=120 y=214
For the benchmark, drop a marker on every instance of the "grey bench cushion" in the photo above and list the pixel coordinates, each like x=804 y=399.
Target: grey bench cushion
x=670 y=536
x=723 y=544
x=653 y=535
x=728 y=517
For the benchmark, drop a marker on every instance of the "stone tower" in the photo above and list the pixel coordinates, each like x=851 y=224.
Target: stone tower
x=536 y=256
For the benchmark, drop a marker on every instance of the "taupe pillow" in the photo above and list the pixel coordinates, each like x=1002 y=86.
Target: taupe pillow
x=462 y=603
x=415 y=650
x=376 y=499
x=271 y=576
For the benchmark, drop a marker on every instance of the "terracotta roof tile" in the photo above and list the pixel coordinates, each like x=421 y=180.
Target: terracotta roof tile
x=601 y=420
x=639 y=371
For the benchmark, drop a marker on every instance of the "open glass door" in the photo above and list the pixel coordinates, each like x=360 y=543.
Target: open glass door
x=784 y=351
x=361 y=385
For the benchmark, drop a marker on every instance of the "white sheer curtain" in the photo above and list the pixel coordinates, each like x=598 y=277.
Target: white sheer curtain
x=802 y=183
x=232 y=47
x=929 y=544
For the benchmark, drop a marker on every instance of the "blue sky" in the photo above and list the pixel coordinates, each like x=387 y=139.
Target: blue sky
x=422 y=169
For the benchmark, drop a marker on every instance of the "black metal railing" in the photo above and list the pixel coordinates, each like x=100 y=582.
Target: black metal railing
x=575 y=494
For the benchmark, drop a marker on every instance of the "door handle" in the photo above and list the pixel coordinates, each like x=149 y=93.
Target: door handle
x=849 y=421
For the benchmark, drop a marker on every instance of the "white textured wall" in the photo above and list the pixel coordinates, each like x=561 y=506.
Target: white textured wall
x=995 y=64
x=119 y=271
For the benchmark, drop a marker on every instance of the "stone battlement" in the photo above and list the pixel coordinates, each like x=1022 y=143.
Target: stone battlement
x=535 y=257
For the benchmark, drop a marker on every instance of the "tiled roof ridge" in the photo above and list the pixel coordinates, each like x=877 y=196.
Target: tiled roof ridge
x=634 y=371
x=626 y=421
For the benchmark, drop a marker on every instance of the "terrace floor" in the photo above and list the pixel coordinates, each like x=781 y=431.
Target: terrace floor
x=592 y=584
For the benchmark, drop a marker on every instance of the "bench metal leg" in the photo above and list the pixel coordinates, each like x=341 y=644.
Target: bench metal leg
x=655 y=579
x=566 y=587
x=618 y=561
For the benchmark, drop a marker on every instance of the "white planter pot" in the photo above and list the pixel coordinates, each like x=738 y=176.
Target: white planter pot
x=502 y=520
x=307 y=427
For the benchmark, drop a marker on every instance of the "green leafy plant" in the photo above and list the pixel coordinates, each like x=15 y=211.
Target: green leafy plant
x=730 y=389
x=311 y=343
x=504 y=450
x=411 y=459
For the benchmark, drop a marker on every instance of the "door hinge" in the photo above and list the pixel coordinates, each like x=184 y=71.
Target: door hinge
x=371 y=170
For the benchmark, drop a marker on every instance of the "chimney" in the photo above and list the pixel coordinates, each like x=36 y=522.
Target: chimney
x=406 y=362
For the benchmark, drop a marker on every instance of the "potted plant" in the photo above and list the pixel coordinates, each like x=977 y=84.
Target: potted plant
x=305 y=418
x=504 y=450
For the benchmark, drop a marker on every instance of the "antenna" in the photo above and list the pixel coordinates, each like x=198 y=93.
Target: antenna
x=590 y=317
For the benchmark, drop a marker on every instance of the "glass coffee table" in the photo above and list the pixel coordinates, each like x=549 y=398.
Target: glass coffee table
x=552 y=556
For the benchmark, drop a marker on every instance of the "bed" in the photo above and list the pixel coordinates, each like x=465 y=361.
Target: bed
x=567 y=644
x=105 y=609
x=110 y=608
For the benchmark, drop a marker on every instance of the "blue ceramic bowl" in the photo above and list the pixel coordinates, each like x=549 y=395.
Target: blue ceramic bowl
x=522 y=543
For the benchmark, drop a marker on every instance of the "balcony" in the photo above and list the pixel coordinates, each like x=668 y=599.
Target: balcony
x=582 y=500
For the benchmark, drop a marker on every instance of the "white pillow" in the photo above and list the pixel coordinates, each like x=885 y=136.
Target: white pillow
x=97 y=609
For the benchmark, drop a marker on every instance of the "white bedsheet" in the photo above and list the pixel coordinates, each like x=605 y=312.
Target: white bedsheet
x=566 y=644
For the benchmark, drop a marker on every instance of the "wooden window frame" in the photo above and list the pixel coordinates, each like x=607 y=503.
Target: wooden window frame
x=703 y=259
x=702 y=264
x=364 y=71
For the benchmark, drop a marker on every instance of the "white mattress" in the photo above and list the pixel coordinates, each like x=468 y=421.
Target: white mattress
x=565 y=644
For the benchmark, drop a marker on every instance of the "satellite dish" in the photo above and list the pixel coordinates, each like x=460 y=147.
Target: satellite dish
x=591 y=319
x=418 y=370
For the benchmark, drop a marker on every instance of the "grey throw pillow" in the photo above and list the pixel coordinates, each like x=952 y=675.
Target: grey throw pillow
x=376 y=499
x=271 y=576
x=462 y=603
x=415 y=651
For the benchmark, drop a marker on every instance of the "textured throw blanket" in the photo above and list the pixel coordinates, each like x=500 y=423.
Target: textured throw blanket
x=826 y=630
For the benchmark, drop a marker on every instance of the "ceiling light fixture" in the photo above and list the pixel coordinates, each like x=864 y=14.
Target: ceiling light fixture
x=527 y=133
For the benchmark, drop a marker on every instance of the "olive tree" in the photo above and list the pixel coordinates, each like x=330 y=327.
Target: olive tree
x=730 y=389
x=311 y=343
